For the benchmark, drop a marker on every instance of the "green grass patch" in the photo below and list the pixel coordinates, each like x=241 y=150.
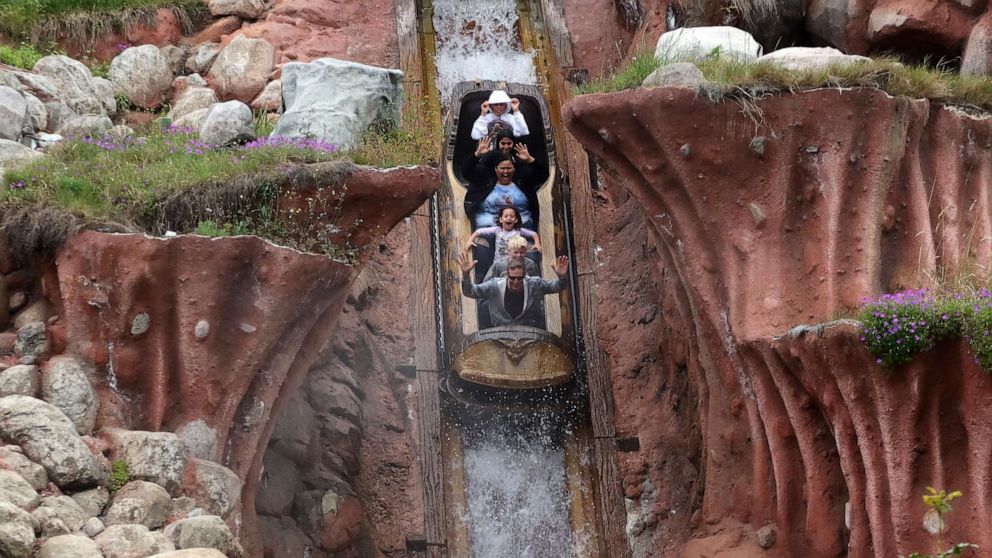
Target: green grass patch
x=83 y=21
x=417 y=141
x=22 y=56
x=727 y=78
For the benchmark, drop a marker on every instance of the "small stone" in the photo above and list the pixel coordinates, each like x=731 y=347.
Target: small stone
x=679 y=74
x=202 y=330
x=685 y=150
x=17 y=301
x=758 y=145
x=93 y=501
x=37 y=311
x=247 y=328
x=140 y=502
x=17 y=491
x=757 y=214
x=131 y=541
x=66 y=509
x=93 y=527
x=31 y=340
x=140 y=324
x=49 y=524
x=16 y=531
x=69 y=546
x=12 y=459
x=766 y=537
x=28 y=360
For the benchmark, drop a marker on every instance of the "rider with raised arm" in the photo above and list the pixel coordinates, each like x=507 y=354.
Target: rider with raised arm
x=499 y=113
x=514 y=299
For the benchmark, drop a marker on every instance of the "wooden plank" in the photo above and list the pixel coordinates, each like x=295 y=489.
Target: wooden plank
x=611 y=506
x=409 y=49
x=423 y=313
x=429 y=407
x=561 y=41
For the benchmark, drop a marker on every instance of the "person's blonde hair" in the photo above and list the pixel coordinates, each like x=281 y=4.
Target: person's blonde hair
x=516 y=242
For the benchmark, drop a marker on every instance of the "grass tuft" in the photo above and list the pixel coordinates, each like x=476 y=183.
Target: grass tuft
x=727 y=78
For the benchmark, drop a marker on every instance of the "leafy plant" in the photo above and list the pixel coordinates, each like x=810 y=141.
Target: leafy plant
x=120 y=475
x=23 y=56
x=938 y=504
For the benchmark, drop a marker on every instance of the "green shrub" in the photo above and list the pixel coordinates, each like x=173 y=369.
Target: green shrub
x=120 y=475
x=211 y=228
x=22 y=56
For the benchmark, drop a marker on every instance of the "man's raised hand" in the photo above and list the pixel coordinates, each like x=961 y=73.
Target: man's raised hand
x=466 y=262
x=522 y=153
x=561 y=266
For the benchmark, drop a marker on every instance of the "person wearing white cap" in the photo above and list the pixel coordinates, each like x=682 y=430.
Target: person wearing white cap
x=500 y=112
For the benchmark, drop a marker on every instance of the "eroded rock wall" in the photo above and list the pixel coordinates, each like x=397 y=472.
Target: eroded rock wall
x=766 y=215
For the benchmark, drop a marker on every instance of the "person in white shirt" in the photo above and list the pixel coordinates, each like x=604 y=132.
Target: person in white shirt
x=500 y=112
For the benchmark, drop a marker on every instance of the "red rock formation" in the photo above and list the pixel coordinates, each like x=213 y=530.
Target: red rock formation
x=770 y=215
x=233 y=324
x=166 y=30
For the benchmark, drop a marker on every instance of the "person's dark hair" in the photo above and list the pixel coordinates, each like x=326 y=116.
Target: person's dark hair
x=516 y=212
x=500 y=157
x=503 y=134
x=515 y=263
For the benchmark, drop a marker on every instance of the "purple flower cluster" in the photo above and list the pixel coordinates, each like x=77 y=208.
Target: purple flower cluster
x=898 y=326
x=312 y=144
x=16 y=185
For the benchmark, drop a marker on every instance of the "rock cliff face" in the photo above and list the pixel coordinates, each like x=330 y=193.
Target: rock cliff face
x=211 y=338
x=762 y=216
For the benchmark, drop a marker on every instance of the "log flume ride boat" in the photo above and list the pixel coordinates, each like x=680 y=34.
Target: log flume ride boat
x=520 y=366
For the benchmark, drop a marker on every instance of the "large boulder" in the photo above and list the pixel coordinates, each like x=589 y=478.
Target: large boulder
x=16 y=531
x=108 y=98
x=810 y=58
x=139 y=502
x=32 y=340
x=151 y=456
x=826 y=21
x=11 y=459
x=143 y=74
x=215 y=488
x=697 y=43
x=201 y=57
x=65 y=383
x=205 y=531
x=74 y=83
x=193 y=98
x=69 y=546
x=131 y=541
x=19 y=380
x=16 y=490
x=199 y=439
x=41 y=86
x=66 y=509
x=337 y=100
x=242 y=68
x=87 y=125
x=13 y=154
x=93 y=501
x=270 y=99
x=49 y=438
x=977 y=59
x=280 y=482
x=13 y=113
x=245 y=9
x=37 y=113
x=229 y=122
x=294 y=428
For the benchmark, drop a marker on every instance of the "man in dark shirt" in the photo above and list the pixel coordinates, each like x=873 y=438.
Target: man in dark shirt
x=512 y=299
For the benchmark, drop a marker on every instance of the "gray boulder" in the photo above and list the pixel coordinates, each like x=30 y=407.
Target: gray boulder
x=16 y=531
x=105 y=88
x=69 y=546
x=49 y=438
x=65 y=383
x=93 y=527
x=199 y=439
x=48 y=524
x=58 y=115
x=242 y=68
x=43 y=87
x=12 y=459
x=21 y=379
x=37 y=311
x=151 y=456
x=139 y=502
x=92 y=125
x=337 y=100
x=143 y=74
x=93 y=500
x=131 y=541
x=17 y=491
x=809 y=58
x=13 y=113
x=697 y=43
x=292 y=433
x=192 y=121
x=279 y=484
x=270 y=99
x=13 y=154
x=9 y=79
x=66 y=509
x=215 y=488
x=205 y=531
x=193 y=98
x=37 y=113
x=679 y=74
x=201 y=57
x=74 y=83
x=176 y=57
x=32 y=340
x=226 y=123
x=245 y=9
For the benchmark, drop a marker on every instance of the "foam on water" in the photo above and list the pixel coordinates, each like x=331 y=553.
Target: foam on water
x=479 y=40
x=516 y=492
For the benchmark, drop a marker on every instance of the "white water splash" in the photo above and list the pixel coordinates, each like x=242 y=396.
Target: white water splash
x=516 y=492
x=479 y=40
